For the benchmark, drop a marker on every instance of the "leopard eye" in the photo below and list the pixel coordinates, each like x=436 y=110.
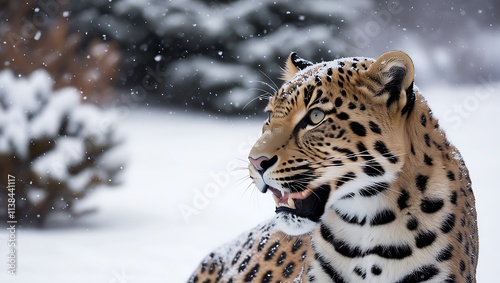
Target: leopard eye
x=316 y=116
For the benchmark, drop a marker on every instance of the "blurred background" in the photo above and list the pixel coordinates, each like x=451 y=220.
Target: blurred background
x=125 y=124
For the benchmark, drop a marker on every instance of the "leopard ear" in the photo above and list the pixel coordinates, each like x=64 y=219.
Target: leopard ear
x=294 y=64
x=394 y=73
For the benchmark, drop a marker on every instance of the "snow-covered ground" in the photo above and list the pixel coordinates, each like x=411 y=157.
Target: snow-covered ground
x=186 y=192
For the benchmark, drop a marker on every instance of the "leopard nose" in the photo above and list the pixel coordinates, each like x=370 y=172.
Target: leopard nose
x=262 y=163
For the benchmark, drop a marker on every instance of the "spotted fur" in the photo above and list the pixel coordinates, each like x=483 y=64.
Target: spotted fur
x=363 y=178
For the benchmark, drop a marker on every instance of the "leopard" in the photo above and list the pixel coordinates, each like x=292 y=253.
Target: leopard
x=366 y=184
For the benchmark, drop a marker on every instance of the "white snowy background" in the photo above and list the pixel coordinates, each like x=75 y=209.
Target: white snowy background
x=187 y=159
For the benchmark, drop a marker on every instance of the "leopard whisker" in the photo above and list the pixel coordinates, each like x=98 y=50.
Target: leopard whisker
x=242 y=179
x=266 y=95
x=236 y=169
x=276 y=87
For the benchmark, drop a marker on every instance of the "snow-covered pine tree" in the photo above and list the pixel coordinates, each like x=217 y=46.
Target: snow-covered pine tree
x=210 y=55
x=37 y=34
x=57 y=148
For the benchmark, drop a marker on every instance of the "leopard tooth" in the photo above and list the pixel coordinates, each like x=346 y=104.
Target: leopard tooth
x=291 y=203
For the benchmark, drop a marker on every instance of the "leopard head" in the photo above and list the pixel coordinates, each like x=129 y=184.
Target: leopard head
x=335 y=130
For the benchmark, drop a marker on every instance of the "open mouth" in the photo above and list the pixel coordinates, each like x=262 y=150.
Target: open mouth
x=308 y=203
